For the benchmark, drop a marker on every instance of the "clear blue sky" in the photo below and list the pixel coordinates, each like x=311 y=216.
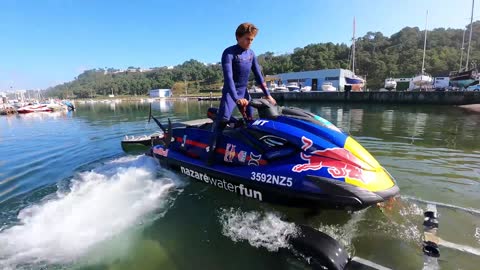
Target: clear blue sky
x=46 y=42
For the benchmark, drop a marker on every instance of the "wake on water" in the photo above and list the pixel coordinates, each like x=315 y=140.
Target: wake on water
x=98 y=205
x=266 y=230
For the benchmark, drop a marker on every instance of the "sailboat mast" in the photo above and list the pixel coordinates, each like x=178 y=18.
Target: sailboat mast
x=424 y=44
x=470 y=36
x=462 y=49
x=353 y=47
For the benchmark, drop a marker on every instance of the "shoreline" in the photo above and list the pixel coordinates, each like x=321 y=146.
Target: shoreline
x=400 y=97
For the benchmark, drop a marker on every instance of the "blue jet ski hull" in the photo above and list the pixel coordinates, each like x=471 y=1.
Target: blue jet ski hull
x=289 y=156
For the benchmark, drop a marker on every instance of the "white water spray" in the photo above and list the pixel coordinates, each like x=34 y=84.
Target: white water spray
x=99 y=205
x=260 y=230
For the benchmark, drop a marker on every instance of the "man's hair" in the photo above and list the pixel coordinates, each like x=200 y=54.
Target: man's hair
x=246 y=28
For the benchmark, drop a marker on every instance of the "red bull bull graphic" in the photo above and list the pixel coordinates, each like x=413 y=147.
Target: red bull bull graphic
x=229 y=153
x=330 y=158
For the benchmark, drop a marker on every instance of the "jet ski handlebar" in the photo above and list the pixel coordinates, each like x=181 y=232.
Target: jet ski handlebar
x=265 y=108
x=260 y=103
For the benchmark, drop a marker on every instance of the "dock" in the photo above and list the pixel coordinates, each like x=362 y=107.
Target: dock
x=400 y=97
x=209 y=98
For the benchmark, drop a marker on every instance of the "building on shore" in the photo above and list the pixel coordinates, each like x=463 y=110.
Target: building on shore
x=316 y=78
x=160 y=93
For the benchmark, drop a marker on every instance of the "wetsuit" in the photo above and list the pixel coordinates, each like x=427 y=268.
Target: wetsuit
x=236 y=64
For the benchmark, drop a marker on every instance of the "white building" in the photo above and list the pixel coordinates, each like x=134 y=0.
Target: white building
x=159 y=93
x=315 y=78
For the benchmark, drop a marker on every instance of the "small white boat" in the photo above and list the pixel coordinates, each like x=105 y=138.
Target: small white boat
x=277 y=88
x=293 y=86
x=328 y=87
x=422 y=79
x=390 y=84
x=306 y=89
x=255 y=90
x=272 y=86
x=34 y=108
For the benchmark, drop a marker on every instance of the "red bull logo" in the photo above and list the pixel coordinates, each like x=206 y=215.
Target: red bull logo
x=330 y=158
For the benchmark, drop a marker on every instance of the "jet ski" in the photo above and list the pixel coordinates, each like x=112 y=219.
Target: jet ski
x=287 y=156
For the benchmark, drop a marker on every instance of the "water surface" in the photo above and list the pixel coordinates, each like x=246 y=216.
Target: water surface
x=69 y=197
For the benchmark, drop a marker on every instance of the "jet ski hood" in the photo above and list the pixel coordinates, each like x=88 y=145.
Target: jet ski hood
x=327 y=152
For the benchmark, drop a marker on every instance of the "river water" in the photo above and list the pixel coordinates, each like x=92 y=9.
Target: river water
x=70 y=198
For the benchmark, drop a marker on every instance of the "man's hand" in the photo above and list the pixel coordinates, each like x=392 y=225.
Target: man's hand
x=242 y=102
x=271 y=100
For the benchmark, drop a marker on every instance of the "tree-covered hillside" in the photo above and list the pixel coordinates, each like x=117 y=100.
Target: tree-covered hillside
x=377 y=57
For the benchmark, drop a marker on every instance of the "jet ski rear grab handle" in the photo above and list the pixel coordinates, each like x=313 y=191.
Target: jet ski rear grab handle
x=167 y=138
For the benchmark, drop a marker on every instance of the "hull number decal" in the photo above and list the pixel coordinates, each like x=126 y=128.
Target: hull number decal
x=272 y=179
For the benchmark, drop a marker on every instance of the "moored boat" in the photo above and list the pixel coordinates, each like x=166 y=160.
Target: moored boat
x=423 y=79
x=355 y=82
x=293 y=87
x=465 y=76
x=328 y=87
x=390 y=84
x=35 y=108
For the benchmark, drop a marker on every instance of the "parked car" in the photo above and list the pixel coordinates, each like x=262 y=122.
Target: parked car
x=473 y=88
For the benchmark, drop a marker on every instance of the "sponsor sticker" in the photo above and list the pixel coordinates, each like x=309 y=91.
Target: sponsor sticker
x=242 y=156
x=259 y=122
x=229 y=152
x=160 y=151
x=254 y=159
x=329 y=158
x=222 y=184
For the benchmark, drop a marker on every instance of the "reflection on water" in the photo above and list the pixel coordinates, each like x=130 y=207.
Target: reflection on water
x=387 y=121
x=432 y=151
x=163 y=105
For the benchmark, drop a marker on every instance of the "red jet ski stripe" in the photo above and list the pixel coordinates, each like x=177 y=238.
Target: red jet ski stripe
x=219 y=150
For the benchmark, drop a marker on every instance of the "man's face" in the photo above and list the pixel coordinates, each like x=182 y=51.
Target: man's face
x=245 y=41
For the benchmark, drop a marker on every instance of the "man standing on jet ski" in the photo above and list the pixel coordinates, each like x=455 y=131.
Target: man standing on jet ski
x=237 y=61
